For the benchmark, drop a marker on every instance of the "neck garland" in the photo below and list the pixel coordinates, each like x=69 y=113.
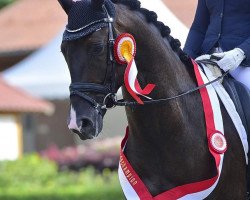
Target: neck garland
x=160 y=130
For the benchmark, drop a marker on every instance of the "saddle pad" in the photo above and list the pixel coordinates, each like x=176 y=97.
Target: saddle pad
x=231 y=109
x=240 y=95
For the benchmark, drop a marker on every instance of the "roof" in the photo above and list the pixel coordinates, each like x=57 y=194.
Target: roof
x=15 y=100
x=29 y=24
x=27 y=32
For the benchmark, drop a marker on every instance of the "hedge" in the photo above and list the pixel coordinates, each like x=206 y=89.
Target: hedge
x=34 y=178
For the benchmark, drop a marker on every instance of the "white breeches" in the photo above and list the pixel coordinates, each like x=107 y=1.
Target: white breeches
x=242 y=74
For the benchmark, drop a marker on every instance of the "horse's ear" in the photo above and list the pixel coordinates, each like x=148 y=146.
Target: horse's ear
x=66 y=5
x=97 y=4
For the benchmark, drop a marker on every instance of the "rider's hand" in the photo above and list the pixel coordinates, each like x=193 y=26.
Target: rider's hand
x=230 y=60
x=203 y=57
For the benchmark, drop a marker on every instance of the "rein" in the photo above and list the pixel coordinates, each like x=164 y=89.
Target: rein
x=164 y=100
x=109 y=90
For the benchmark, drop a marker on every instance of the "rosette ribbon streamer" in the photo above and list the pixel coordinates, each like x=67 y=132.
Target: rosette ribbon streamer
x=125 y=50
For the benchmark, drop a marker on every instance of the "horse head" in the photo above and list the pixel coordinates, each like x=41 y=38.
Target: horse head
x=88 y=50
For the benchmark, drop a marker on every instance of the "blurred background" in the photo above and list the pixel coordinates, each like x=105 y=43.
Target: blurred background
x=39 y=158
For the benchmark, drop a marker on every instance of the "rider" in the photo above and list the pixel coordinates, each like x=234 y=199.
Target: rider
x=222 y=28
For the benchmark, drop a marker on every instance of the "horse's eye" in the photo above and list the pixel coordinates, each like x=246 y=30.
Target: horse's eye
x=95 y=48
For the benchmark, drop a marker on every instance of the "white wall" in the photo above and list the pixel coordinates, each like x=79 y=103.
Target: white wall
x=9 y=131
x=178 y=29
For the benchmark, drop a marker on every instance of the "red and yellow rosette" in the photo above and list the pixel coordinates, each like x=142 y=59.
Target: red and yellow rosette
x=124 y=51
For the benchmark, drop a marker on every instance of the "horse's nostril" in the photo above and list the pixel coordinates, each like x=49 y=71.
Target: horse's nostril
x=86 y=123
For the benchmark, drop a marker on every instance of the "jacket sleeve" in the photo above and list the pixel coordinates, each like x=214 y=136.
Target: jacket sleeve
x=245 y=46
x=198 y=30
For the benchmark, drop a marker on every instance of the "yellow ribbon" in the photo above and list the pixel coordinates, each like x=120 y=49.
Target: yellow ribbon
x=127 y=50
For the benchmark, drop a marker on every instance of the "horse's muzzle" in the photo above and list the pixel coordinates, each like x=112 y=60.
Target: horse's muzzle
x=83 y=136
x=87 y=127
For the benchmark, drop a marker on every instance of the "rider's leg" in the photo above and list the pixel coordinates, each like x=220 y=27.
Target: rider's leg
x=242 y=74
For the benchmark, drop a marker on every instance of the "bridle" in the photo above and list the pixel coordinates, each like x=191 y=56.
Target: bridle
x=109 y=89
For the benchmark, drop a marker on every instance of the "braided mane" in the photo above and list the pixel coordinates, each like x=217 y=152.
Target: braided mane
x=165 y=31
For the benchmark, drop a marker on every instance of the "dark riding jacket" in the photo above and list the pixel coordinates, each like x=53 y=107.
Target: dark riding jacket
x=224 y=23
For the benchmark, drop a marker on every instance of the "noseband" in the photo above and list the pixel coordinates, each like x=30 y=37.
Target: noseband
x=108 y=89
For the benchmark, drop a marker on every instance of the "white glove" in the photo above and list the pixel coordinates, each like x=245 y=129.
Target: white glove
x=203 y=57
x=230 y=60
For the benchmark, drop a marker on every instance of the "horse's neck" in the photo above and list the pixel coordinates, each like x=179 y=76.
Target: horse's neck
x=158 y=64
x=158 y=132
x=173 y=119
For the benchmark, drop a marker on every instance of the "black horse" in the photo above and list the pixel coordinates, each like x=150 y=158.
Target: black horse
x=167 y=143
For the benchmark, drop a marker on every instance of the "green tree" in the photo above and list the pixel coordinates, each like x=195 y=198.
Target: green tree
x=5 y=3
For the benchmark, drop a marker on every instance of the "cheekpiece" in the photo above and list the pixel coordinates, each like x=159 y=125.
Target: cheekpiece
x=84 y=19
